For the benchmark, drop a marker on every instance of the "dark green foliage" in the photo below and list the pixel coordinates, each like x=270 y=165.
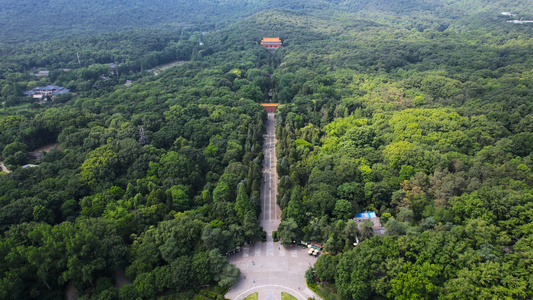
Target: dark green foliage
x=370 y=124
x=160 y=197
x=310 y=276
x=418 y=110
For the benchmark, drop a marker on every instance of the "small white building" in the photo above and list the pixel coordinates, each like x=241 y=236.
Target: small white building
x=42 y=73
x=520 y=21
x=29 y=166
x=39 y=97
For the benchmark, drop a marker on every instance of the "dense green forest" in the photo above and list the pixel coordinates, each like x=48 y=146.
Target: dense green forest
x=25 y=21
x=106 y=202
x=418 y=110
x=431 y=130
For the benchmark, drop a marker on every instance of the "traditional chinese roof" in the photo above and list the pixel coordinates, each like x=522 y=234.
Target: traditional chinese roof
x=270 y=104
x=271 y=41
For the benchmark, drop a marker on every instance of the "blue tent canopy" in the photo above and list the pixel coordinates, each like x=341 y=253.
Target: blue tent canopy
x=369 y=215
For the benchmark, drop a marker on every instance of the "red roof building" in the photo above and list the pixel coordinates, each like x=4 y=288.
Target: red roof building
x=270 y=107
x=271 y=43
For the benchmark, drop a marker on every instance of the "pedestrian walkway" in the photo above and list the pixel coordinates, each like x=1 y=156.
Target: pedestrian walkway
x=273 y=268
x=267 y=267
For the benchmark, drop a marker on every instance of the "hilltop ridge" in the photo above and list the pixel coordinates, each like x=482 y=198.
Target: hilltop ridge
x=34 y=20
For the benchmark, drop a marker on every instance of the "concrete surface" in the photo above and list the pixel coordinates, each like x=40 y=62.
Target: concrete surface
x=269 y=268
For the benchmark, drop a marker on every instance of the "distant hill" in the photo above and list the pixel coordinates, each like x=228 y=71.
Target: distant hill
x=37 y=20
x=50 y=19
x=34 y=20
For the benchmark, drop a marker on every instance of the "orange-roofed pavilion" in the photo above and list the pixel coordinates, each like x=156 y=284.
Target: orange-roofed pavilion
x=271 y=42
x=270 y=107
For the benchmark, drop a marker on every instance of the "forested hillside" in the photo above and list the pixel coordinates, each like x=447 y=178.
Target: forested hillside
x=418 y=110
x=431 y=131
x=105 y=201
x=26 y=21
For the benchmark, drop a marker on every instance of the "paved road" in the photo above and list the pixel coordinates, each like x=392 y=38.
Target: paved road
x=265 y=269
x=271 y=213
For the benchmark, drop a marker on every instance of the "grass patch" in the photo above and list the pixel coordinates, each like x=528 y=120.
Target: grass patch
x=210 y=292
x=329 y=291
x=311 y=286
x=253 y=297
x=285 y=296
x=325 y=291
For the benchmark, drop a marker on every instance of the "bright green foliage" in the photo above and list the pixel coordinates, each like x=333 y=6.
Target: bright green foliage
x=99 y=165
x=417 y=110
x=343 y=209
x=211 y=150
x=242 y=203
x=416 y=282
x=180 y=197
x=430 y=126
x=385 y=218
x=251 y=297
x=450 y=178
x=289 y=232
x=222 y=192
x=13 y=148
x=397 y=153
x=337 y=129
x=487 y=280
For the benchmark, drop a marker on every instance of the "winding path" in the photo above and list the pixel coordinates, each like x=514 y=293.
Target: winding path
x=3 y=167
x=264 y=269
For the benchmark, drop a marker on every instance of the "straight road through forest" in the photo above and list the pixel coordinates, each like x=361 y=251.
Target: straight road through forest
x=271 y=213
x=265 y=269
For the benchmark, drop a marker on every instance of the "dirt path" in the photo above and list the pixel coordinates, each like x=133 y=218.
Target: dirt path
x=71 y=293
x=3 y=167
x=158 y=69
x=47 y=148
x=120 y=279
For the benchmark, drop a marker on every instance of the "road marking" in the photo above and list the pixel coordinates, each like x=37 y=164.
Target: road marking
x=245 y=252
x=257 y=249
x=294 y=253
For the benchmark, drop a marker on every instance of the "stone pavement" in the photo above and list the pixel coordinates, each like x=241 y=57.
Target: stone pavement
x=271 y=213
x=269 y=268
x=274 y=269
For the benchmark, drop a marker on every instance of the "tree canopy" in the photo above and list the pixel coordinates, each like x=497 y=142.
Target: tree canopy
x=418 y=110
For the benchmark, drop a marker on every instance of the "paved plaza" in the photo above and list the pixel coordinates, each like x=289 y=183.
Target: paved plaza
x=269 y=268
